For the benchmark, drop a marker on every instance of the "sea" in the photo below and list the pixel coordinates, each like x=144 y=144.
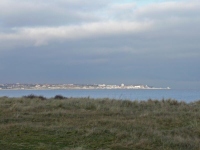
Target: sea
x=119 y=94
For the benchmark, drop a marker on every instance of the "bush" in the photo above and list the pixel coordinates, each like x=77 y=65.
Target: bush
x=60 y=97
x=32 y=96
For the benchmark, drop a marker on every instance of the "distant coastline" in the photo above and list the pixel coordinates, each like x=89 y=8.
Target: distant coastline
x=18 y=86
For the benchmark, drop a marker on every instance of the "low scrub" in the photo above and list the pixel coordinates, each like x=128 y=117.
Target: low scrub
x=60 y=97
x=60 y=123
x=32 y=96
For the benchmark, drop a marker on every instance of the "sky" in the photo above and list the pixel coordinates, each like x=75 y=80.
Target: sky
x=150 y=42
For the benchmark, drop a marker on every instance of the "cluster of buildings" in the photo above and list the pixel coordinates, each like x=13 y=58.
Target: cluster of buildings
x=122 y=86
x=18 y=86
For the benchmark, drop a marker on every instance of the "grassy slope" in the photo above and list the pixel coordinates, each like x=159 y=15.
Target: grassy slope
x=79 y=124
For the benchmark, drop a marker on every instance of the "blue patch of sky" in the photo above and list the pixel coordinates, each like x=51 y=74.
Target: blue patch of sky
x=147 y=2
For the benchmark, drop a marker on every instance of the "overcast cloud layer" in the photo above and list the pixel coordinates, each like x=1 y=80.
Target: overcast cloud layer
x=133 y=42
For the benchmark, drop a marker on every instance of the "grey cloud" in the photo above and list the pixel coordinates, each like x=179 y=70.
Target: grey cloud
x=157 y=44
x=42 y=35
x=46 y=13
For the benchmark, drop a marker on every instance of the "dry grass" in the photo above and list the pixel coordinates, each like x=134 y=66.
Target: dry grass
x=104 y=124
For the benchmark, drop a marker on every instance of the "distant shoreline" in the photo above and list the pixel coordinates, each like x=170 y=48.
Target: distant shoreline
x=88 y=89
x=18 y=86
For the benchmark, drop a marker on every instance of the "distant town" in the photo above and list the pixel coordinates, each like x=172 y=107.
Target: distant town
x=18 y=86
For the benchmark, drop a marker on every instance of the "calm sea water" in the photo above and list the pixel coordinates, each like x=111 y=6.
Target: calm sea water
x=180 y=95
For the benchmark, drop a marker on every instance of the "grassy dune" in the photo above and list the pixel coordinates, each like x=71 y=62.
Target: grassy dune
x=81 y=123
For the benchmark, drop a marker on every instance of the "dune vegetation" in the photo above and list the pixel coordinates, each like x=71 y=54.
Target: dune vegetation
x=60 y=123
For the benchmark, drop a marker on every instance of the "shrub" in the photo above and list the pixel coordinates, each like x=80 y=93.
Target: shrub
x=32 y=96
x=60 y=97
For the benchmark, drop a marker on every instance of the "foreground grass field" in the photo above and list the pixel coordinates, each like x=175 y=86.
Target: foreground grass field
x=82 y=123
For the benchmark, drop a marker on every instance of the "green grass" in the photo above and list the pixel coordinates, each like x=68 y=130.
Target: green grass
x=84 y=123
